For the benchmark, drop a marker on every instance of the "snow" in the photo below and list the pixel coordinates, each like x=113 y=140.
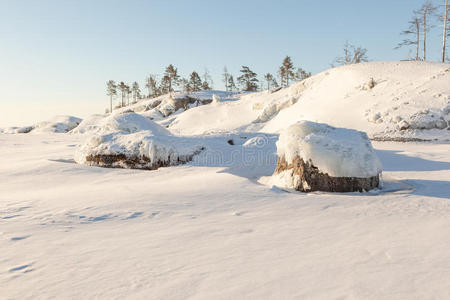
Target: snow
x=58 y=124
x=417 y=93
x=135 y=136
x=89 y=124
x=338 y=152
x=208 y=231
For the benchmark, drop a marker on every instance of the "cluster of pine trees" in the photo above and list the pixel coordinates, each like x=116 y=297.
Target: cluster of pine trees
x=423 y=21
x=247 y=81
x=112 y=88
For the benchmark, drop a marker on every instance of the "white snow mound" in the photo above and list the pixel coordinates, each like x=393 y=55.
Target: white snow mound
x=130 y=122
x=58 y=124
x=339 y=152
x=89 y=124
x=129 y=140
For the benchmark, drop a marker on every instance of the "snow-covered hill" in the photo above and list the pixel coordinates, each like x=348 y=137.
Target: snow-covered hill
x=387 y=100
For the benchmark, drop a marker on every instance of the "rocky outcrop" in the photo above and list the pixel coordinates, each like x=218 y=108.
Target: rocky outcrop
x=136 y=161
x=308 y=178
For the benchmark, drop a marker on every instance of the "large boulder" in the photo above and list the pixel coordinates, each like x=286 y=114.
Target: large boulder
x=318 y=157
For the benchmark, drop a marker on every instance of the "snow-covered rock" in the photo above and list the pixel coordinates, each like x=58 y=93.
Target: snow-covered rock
x=129 y=140
x=58 y=124
x=314 y=156
x=15 y=130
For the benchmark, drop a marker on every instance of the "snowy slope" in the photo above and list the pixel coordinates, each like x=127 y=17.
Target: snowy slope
x=388 y=100
x=408 y=100
x=208 y=230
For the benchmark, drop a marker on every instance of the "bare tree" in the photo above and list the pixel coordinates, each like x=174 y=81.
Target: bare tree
x=111 y=90
x=427 y=10
x=352 y=55
x=413 y=30
x=207 y=81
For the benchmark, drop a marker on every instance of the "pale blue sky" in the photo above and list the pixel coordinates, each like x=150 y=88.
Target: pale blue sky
x=56 y=55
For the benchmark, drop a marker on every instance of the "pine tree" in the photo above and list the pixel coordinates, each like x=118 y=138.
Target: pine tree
x=186 y=86
x=165 y=86
x=286 y=71
x=111 y=90
x=136 y=91
x=271 y=81
x=195 y=82
x=248 y=80
x=231 y=85
x=171 y=77
x=128 y=93
x=152 y=86
x=122 y=87
x=225 y=77
x=301 y=74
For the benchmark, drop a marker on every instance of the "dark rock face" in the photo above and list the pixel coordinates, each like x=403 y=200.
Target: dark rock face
x=312 y=179
x=135 y=162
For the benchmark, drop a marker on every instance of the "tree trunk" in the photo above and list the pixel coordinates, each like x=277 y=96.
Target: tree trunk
x=444 y=38
x=425 y=35
x=418 y=39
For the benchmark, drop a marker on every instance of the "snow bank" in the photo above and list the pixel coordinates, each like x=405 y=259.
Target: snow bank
x=337 y=152
x=58 y=124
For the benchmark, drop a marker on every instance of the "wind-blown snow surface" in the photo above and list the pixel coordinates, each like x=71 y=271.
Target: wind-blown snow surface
x=207 y=230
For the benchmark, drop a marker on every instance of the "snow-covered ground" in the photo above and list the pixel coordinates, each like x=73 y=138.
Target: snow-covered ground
x=215 y=228
x=193 y=231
